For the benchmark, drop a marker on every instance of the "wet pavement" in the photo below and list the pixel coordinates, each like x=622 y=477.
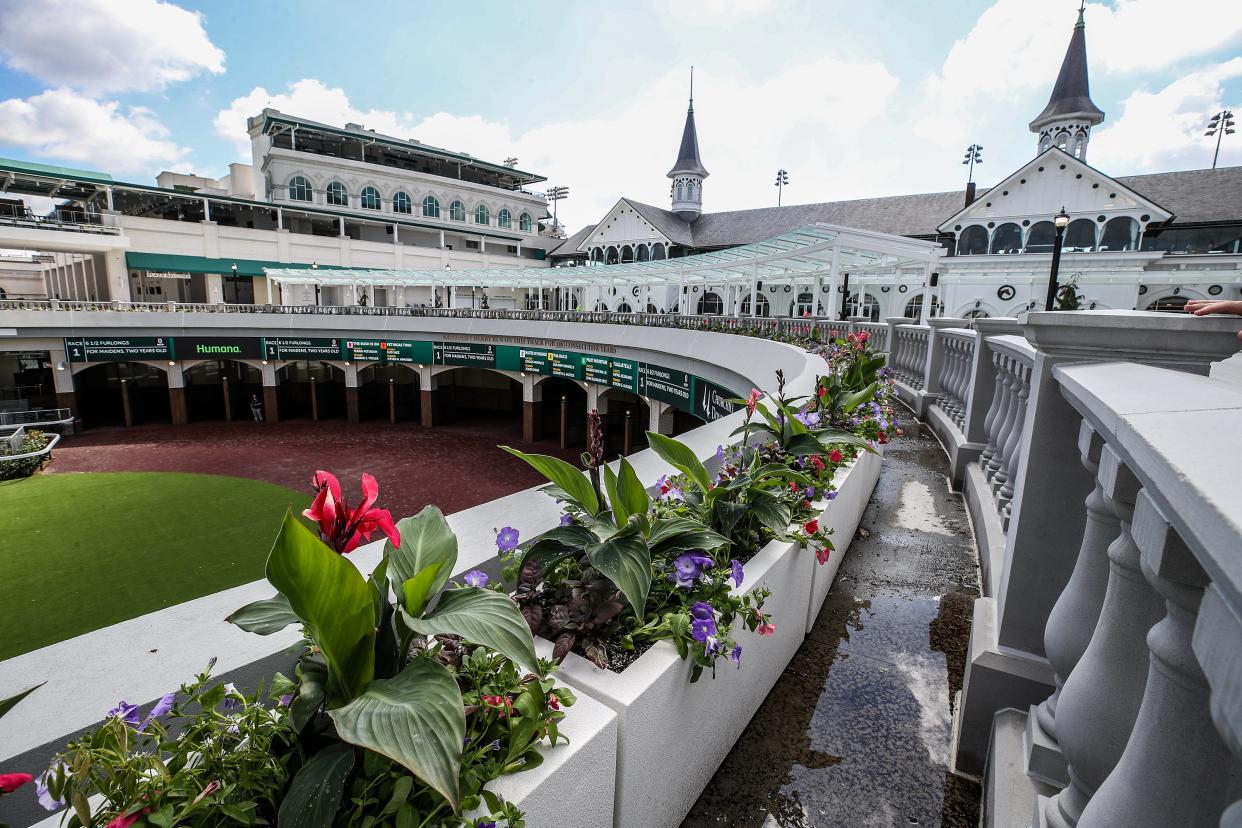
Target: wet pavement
x=856 y=732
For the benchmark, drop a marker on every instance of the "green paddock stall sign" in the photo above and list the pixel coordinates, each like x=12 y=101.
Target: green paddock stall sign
x=685 y=391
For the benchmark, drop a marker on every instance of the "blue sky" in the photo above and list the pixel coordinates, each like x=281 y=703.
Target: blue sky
x=854 y=99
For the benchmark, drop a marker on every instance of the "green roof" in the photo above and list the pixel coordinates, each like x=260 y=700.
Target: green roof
x=174 y=263
x=11 y=165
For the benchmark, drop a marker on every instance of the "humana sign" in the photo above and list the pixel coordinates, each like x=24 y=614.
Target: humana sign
x=199 y=348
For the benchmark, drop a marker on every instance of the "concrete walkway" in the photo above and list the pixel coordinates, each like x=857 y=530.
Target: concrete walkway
x=857 y=730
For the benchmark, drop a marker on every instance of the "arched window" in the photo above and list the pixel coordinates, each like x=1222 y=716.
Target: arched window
x=299 y=189
x=1080 y=145
x=1041 y=237
x=624 y=307
x=504 y=218
x=1062 y=139
x=975 y=313
x=1080 y=235
x=401 y=203
x=652 y=308
x=369 y=198
x=914 y=308
x=657 y=252
x=804 y=306
x=1169 y=304
x=1007 y=238
x=1045 y=142
x=1121 y=233
x=611 y=256
x=601 y=307
x=711 y=304
x=597 y=254
x=457 y=211
x=431 y=207
x=482 y=215
x=524 y=222
x=973 y=241
x=627 y=254
x=868 y=307
x=761 y=304
x=644 y=253
x=336 y=194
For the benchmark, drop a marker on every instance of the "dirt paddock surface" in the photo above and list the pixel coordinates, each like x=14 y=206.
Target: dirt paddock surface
x=454 y=466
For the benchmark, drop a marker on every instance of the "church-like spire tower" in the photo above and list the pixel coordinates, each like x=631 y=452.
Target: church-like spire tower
x=688 y=173
x=1067 y=119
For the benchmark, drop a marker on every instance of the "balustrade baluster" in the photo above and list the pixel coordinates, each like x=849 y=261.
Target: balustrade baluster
x=991 y=424
x=1175 y=769
x=999 y=462
x=1014 y=444
x=1101 y=696
x=1074 y=616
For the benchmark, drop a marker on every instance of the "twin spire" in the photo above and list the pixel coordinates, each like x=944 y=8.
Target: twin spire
x=1067 y=119
x=688 y=172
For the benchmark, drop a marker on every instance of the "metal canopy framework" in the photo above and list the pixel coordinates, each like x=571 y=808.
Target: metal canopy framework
x=807 y=254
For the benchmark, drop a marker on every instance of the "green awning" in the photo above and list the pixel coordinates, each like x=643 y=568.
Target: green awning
x=31 y=168
x=174 y=263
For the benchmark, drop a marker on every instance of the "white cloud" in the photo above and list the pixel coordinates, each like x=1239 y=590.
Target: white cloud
x=1164 y=129
x=1152 y=34
x=714 y=12
x=100 y=46
x=62 y=124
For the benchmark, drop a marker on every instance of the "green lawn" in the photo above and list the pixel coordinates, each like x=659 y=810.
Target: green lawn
x=82 y=551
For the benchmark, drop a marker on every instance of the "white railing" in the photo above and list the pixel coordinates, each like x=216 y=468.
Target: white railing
x=37 y=416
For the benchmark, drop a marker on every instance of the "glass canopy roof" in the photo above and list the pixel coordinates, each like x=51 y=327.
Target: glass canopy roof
x=811 y=252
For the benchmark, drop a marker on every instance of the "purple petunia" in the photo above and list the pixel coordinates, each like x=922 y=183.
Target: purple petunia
x=126 y=712
x=49 y=802
x=230 y=692
x=810 y=419
x=675 y=494
x=286 y=700
x=507 y=539
x=735 y=567
x=736 y=655
x=830 y=496
x=475 y=578
x=720 y=454
x=567 y=520
x=809 y=493
x=161 y=707
x=703 y=623
x=482 y=824
x=688 y=567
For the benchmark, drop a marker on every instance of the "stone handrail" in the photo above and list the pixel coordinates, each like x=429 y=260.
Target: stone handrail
x=958 y=346
x=877 y=333
x=909 y=356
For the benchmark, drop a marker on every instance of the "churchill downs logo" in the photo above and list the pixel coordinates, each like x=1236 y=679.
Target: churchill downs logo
x=714 y=404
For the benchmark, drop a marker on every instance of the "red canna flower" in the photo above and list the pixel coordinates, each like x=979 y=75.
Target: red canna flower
x=823 y=391
x=811 y=527
x=863 y=336
x=340 y=527
x=502 y=702
x=793 y=486
x=751 y=400
x=10 y=782
x=816 y=462
x=766 y=628
x=836 y=456
x=821 y=555
x=883 y=438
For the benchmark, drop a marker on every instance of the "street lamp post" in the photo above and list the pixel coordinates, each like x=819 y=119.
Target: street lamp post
x=1060 y=221
x=782 y=178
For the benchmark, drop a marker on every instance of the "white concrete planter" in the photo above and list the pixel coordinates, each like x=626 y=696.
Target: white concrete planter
x=575 y=783
x=672 y=735
x=855 y=483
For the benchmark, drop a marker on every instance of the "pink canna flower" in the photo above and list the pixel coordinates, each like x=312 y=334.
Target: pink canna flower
x=751 y=400
x=340 y=527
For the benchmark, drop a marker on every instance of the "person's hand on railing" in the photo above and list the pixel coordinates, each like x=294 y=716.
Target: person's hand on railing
x=1204 y=307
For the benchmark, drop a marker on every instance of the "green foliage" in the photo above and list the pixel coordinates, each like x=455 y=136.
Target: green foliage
x=565 y=477
x=32 y=440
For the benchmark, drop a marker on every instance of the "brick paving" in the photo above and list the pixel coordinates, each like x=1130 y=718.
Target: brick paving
x=455 y=466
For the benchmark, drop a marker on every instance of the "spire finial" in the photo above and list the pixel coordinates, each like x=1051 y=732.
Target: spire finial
x=692 y=87
x=1082 y=7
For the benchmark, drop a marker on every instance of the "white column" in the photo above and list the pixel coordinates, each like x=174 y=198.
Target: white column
x=280 y=219
x=834 y=280
x=927 y=294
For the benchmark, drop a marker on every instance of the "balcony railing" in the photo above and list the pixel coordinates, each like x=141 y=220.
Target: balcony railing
x=67 y=220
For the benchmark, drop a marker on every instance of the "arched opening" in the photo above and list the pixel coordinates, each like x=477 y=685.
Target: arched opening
x=652 y=308
x=611 y=256
x=388 y=392
x=1079 y=236
x=624 y=307
x=914 y=308
x=563 y=401
x=1121 y=233
x=1041 y=237
x=221 y=390
x=762 y=304
x=805 y=305
x=627 y=254
x=657 y=252
x=104 y=390
x=310 y=390
x=478 y=397
x=973 y=241
x=1007 y=238
x=976 y=313
x=621 y=402
x=601 y=306
x=1169 y=304
x=644 y=253
x=710 y=304
x=868 y=306
x=597 y=254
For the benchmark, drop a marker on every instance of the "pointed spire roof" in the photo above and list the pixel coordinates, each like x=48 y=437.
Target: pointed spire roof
x=688 y=154
x=1071 y=95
